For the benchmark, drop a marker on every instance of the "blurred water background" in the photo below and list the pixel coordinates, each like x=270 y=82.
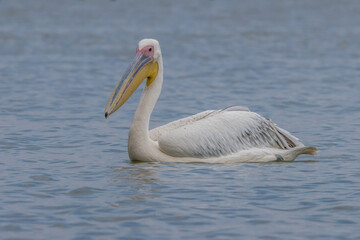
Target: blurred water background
x=65 y=171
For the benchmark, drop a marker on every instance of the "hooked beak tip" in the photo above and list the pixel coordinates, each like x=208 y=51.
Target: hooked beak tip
x=106 y=115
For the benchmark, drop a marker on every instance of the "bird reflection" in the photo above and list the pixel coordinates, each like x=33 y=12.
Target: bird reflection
x=136 y=172
x=136 y=182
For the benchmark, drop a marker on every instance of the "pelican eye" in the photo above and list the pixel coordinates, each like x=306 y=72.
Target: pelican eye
x=150 y=49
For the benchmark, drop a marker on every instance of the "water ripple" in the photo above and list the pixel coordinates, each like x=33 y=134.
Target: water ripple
x=65 y=170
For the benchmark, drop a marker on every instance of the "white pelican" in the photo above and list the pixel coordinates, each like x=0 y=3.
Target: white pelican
x=232 y=134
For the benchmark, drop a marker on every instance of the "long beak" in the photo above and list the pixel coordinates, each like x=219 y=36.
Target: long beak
x=141 y=67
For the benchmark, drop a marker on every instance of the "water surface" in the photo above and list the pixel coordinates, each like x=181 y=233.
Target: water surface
x=65 y=171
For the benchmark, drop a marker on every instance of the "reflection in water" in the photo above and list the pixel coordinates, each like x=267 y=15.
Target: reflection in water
x=139 y=179
x=137 y=172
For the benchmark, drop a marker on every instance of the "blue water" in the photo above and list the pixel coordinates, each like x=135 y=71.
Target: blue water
x=65 y=171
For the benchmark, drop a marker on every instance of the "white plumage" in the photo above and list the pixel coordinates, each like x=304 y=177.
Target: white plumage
x=229 y=135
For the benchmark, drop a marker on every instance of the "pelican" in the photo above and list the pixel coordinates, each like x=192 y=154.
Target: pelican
x=228 y=135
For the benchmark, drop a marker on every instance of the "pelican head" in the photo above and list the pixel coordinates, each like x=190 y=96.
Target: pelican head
x=144 y=66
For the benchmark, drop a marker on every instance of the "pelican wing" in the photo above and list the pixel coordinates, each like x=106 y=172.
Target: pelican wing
x=220 y=133
x=156 y=133
x=159 y=131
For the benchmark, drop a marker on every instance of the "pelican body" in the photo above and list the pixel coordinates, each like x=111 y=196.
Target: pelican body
x=228 y=135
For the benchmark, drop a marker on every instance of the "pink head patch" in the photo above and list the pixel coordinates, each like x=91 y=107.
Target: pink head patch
x=147 y=51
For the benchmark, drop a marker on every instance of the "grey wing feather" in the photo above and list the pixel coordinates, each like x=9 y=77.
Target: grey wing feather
x=221 y=132
x=156 y=133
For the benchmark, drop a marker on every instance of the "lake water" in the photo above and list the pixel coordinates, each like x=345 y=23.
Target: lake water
x=64 y=169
